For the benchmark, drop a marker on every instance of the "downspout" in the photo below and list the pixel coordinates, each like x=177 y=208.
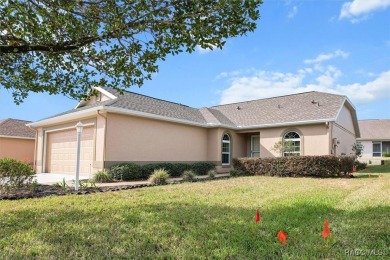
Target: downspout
x=105 y=137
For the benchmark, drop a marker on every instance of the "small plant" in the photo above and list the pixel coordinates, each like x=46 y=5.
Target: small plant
x=386 y=154
x=63 y=185
x=234 y=173
x=212 y=174
x=102 y=176
x=159 y=176
x=359 y=165
x=83 y=185
x=357 y=149
x=188 y=176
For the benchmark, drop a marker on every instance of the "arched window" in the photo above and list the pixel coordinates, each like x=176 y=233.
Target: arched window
x=225 y=149
x=291 y=144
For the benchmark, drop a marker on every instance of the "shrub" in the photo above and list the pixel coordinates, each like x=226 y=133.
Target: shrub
x=188 y=175
x=14 y=175
x=174 y=169
x=212 y=173
x=102 y=176
x=159 y=176
x=359 y=165
x=320 y=166
x=234 y=173
x=127 y=172
x=386 y=154
x=201 y=168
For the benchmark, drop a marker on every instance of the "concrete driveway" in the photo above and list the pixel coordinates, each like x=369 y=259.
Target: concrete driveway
x=50 y=178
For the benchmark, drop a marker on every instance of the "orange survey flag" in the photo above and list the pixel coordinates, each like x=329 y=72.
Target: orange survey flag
x=326 y=230
x=257 y=216
x=282 y=237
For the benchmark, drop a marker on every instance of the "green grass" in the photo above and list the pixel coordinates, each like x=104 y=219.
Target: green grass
x=205 y=220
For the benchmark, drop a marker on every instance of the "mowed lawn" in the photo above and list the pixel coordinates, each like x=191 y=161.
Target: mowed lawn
x=214 y=219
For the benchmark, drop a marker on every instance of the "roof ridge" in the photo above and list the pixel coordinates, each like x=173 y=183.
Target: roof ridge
x=295 y=94
x=130 y=92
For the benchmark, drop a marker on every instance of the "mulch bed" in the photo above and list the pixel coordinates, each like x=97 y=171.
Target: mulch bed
x=49 y=190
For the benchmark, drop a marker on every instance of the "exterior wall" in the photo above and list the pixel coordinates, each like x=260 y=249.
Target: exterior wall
x=19 y=149
x=345 y=120
x=367 y=149
x=314 y=139
x=98 y=141
x=145 y=140
x=344 y=131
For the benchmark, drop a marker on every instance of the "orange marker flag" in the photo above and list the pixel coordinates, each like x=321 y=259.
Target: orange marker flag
x=282 y=237
x=257 y=216
x=326 y=230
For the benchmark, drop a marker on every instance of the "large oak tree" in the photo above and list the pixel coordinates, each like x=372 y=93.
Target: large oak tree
x=67 y=46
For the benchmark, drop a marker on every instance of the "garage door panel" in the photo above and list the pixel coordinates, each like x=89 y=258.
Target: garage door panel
x=61 y=151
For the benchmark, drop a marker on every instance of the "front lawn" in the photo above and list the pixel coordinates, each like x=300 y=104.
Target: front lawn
x=213 y=219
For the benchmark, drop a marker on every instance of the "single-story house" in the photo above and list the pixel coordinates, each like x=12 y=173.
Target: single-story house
x=141 y=129
x=17 y=140
x=375 y=137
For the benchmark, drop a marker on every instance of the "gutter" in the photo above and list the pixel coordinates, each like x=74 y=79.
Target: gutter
x=17 y=137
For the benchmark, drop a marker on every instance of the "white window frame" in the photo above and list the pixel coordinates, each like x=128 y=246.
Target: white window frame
x=252 y=142
x=380 y=143
x=293 y=140
x=228 y=153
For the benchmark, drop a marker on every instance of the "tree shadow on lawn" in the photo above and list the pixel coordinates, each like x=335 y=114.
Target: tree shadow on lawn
x=184 y=230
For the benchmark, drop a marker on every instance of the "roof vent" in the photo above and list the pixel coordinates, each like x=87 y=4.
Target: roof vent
x=239 y=108
x=314 y=102
x=279 y=106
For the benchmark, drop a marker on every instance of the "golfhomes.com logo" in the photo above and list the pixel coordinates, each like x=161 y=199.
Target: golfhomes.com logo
x=366 y=252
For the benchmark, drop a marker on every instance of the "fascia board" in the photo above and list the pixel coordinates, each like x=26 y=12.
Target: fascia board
x=71 y=116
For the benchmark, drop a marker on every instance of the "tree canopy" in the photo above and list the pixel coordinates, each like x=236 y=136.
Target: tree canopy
x=68 y=46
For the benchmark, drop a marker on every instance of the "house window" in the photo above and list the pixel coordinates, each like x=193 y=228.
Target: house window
x=255 y=146
x=291 y=144
x=377 y=149
x=225 y=149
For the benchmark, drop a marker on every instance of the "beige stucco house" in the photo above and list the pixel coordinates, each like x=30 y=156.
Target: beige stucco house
x=17 y=140
x=375 y=137
x=136 y=128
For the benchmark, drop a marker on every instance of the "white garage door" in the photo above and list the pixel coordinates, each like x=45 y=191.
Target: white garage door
x=61 y=151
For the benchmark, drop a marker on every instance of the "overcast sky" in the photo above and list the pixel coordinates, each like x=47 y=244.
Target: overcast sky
x=334 y=46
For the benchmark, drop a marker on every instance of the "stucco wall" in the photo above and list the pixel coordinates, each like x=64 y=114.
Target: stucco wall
x=345 y=120
x=345 y=138
x=19 y=149
x=314 y=139
x=344 y=131
x=139 y=139
x=367 y=149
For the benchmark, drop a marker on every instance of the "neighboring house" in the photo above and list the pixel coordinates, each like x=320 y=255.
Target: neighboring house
x=136 y=128
x=17 y=140
x=375 y=137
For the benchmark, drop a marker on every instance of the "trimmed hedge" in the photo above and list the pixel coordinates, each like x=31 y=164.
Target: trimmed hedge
x=127 y=172
x=318 y=166
x=132 y=171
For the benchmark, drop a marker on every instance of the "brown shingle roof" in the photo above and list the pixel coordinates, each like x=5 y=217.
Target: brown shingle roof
x=309 y=106
x=141 y=103
x=284 y=109
x=374 y=129
x=16 y=128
